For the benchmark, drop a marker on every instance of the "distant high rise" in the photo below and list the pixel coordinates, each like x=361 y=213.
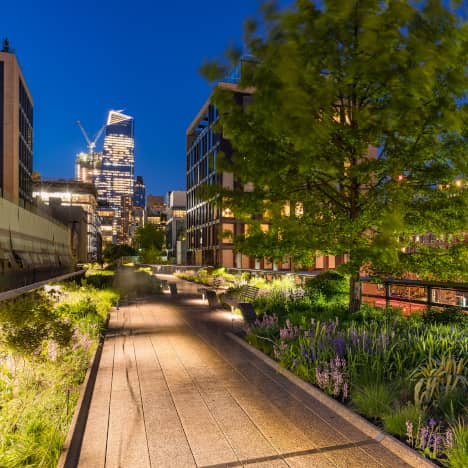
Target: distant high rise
x=87 y=166
x=16 y=130
x=139 y=193
x=116 y=179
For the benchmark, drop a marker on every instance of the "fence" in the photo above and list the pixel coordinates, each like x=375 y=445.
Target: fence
x=31 y=287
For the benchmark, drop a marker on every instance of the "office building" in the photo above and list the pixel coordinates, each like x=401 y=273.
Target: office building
x=175 y=226
x=211 y=227
x=156 y=210
x=88 y=166
x=33 y=246
x=74 y=203
x=139 y=192
x=116 y=175
x=208 y=222
x=16 y=139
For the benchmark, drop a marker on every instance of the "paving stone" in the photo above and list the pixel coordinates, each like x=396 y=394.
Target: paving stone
x=173 y=390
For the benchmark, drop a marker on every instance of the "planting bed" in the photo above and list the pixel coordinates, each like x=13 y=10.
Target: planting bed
x=47 y=338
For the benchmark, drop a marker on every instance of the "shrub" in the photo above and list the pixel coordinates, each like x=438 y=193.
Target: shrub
x=449 y=315
x=438 y=379
x=331 y=284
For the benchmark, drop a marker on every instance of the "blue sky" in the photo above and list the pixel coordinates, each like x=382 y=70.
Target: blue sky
x=82 y=58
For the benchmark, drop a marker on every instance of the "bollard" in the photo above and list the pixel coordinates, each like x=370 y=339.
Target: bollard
x=173 y=289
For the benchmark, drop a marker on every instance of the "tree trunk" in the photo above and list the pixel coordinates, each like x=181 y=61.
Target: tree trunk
x=354 y=293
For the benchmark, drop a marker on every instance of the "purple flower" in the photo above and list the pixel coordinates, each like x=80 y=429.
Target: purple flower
x=423 y=437
x=339 y=345
x=409 y=431
x=432 y=423
x=449 y=439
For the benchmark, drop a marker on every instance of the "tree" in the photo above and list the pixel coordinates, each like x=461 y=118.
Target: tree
x=150 y=237
x=113 y=252
x=355 y=139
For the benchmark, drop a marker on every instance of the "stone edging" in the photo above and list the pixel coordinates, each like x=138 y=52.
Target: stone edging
x=72 y=445
x=393 y=445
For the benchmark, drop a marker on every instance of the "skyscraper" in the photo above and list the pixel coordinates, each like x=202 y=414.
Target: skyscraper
x=16 y=121
x=139 y=194
x=116 y=179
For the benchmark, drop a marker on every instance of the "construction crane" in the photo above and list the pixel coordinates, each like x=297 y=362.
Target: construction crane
x=91 y=143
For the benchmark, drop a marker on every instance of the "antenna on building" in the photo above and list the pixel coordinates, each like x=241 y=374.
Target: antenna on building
x=91 y=143
x=6 y=45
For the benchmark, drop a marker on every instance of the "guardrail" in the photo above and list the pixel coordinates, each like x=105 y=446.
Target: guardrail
x=10 y=294
x=414 y=295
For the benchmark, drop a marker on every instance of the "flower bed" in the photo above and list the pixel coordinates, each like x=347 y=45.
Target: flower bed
x=46 y=341
x=407 y=375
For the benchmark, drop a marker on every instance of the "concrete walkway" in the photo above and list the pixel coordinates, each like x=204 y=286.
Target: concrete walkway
x=173 y=390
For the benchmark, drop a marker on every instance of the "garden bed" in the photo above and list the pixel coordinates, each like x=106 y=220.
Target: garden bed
x=47 y=338
x=406 y=375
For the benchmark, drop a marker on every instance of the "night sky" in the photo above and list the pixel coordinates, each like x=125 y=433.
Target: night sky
x=83 y=58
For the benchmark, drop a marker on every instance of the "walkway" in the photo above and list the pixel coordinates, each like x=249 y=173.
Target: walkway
x=173 y=390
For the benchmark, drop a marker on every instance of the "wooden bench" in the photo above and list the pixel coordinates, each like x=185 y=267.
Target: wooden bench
x=248 y=312
x=297 y=293
x=215 y=285
x=245 y=295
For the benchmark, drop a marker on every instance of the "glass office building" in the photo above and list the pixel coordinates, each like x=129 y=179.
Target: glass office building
x=116 y=177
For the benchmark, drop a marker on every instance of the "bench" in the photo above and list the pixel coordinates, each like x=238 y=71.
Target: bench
x=297 y=293
x=246 y=294
x=248 y=312
x=173 y=289
x=215 y=284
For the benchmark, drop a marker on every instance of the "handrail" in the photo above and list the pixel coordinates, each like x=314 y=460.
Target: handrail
x=12 y=293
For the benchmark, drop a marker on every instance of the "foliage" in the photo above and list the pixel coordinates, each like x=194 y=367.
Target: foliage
x=446 y=316
x=40 y=374
x=331 y=284
x=395 y=420
x=150 y=236
x=28 y=321
x=458 y=453
x=368 y=146
x=112 y=252
x=151 y=255
x=99 y=278
x=398 y=369
x=439 y=377
x=373 y=399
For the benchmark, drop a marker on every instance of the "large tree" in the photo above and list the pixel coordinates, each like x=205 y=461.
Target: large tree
x=355 y=140
x=150 y=236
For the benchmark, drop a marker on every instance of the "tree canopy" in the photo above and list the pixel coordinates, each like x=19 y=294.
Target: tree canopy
x=355 y=141
x=150 y=236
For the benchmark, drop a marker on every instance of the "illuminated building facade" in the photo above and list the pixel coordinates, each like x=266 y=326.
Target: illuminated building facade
x=156 y=210
x=116 y=175
x=175 y=226
x=207 y=221
x=139 y=193
x=74 y=203
x=16 y=130
x=88 y=166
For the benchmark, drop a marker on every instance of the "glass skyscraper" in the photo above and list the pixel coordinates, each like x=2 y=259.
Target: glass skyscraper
x=116 y=176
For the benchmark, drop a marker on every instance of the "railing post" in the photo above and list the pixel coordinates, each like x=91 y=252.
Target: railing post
x=429 y=297
x=387 y=294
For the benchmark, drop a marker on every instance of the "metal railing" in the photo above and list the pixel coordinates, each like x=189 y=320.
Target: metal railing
x=383 y=292
x=12 y=293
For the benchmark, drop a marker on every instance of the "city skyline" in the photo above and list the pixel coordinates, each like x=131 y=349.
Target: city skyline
x=76 y=72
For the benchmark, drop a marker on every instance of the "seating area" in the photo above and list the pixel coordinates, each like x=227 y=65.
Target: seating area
x=245 y=295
